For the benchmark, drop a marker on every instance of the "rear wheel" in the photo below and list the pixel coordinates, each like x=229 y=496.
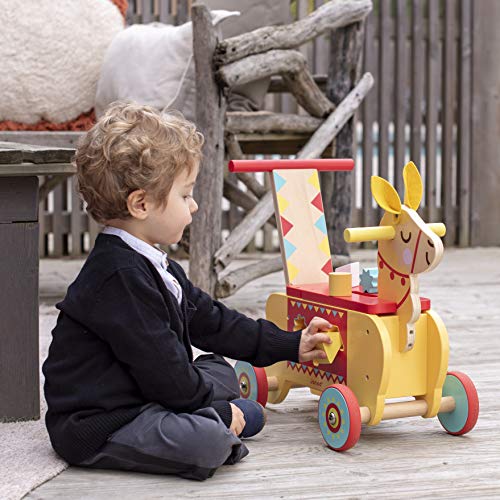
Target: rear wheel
x=464 y=417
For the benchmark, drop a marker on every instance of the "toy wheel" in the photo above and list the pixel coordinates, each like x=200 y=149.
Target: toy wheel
x=252 y=382
x=464 y=417
x=339 y=417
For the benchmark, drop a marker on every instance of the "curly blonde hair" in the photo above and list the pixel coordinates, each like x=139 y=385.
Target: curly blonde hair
x=133 y=147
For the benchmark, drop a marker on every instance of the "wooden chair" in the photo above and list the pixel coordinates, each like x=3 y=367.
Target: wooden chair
x=262 y=53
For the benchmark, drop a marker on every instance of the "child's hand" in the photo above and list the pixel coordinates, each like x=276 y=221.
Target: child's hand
x=238 y=421
x=311 y=338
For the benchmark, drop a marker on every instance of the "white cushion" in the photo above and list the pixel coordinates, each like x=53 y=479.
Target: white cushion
x=51 y=54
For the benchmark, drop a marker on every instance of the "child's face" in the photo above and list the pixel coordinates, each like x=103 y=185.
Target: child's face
x=166 y=225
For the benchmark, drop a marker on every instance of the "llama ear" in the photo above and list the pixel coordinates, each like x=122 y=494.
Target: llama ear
x=385 y=195
x=413 y=186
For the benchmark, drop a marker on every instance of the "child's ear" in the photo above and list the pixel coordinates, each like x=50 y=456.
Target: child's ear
x=136 y=204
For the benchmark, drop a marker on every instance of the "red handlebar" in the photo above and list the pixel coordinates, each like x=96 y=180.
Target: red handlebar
x=270 y=165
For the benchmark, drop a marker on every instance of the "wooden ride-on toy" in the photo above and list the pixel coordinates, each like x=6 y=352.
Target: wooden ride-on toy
x=385 y=345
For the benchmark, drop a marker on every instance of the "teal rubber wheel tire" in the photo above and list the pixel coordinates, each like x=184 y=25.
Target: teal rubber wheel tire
x=252 y=381
x=339 y=417
x=464 y=417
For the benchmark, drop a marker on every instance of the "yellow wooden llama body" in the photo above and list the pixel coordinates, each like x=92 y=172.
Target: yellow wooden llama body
x=384 y=346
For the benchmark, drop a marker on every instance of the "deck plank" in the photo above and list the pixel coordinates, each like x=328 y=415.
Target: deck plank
x=403 y=458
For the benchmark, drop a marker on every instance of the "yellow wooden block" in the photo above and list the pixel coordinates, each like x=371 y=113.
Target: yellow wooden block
x=332 y=349
x=340 y=284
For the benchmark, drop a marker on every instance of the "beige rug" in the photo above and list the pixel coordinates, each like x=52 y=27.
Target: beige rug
x=26 y=457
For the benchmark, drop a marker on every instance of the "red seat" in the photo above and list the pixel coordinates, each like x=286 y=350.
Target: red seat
x=368 y=303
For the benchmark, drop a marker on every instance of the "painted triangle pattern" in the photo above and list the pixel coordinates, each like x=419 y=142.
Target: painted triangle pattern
x=328 y=311
x=321 y=224
x=285 y=225
x=302 y=229
x=328 y=267
x=278 y=181
x=309 y=370
x=324 y=246
x=318 y=202
x=289 y=249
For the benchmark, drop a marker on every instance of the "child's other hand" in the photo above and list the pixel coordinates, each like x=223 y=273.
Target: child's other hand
x=238 y=421
x=311 y=338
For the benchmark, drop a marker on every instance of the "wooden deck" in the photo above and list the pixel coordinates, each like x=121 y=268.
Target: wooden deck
x=397 y=459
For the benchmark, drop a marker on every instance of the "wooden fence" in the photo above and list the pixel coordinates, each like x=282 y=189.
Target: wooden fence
x=420 y=53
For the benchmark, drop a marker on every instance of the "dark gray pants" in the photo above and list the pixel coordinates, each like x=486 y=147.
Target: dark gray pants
x=192 y=446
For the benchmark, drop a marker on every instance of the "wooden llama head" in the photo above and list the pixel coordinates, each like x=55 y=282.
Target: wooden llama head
x=415 y=247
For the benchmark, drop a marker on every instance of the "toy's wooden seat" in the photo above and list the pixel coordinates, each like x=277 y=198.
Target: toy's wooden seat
x=360 y=301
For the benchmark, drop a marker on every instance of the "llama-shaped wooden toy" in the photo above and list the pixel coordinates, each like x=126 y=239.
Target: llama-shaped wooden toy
x=385 y=345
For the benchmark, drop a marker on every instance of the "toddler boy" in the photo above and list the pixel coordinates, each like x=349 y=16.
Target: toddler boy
x=122 y=387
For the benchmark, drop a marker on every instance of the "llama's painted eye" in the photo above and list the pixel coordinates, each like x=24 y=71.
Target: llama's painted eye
x=406 y=240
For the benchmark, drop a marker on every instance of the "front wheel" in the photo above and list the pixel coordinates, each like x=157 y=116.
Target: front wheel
x=339 y=417
x=464 y=417
x=252 y=381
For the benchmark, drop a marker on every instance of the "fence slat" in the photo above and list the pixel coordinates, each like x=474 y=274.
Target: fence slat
x=147 y=11
x=42 y=208
x=165 y=15
x=56 y=221
x=416 y=82
x=449 y=83
x=321 y=49
x=464 y=117
x=400 y=106
x=130 y=16
x=66 y=208
x=183 y=12
x=288 y=103
x=485 y=174
x=368 y=119
x=384 y=88
x=433 y=78
x=76 y=229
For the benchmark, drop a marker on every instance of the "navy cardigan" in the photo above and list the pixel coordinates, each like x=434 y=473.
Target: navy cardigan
x=122 y=341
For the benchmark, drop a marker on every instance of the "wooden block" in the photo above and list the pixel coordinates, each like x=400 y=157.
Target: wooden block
x=369 y=279
x=332 y=349
x=340 y=284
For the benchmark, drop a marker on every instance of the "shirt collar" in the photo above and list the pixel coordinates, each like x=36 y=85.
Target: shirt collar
x=155 y=255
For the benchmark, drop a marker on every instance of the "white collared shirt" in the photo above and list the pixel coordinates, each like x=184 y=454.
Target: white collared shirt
x=156 y=256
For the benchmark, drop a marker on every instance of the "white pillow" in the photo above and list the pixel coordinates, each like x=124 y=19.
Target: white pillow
x=152 y=64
